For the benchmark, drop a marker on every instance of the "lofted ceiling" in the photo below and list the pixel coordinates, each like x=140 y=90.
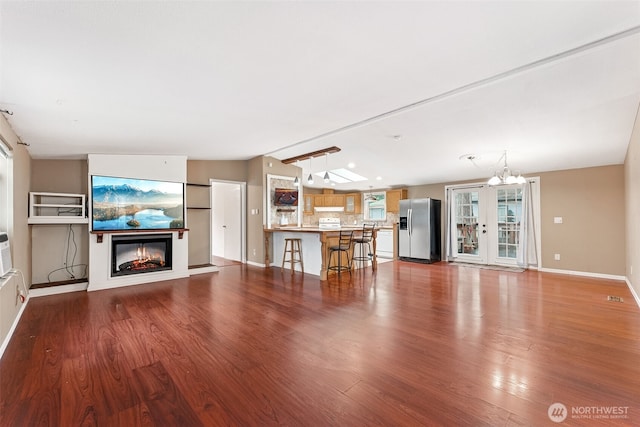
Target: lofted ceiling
x=412 y=92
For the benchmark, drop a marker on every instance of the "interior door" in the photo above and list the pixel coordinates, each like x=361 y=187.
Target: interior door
x=469 y=224
x=227 y=208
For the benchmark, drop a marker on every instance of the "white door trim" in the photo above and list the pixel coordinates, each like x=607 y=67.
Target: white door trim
x=243 y=214
x=536 y=188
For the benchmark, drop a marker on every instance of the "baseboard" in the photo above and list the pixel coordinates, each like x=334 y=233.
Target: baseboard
x=583 y=273
x=203 y=270
x=256 y=264
x=5 y=343
x=633 y=291
x=60 y=289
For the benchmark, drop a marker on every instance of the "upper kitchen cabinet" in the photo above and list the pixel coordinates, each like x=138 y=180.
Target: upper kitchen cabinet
x=309 y=204
x=393 y=199
x=334 y=200
x=353 y=203
x=328 y=199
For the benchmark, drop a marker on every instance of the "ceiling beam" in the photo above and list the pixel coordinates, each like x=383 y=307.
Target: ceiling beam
x=307 y=156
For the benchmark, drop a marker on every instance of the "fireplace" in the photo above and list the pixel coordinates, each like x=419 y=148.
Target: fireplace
x=140 y=253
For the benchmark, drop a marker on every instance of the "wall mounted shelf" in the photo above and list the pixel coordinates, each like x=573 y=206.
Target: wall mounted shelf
x=100 y=234
x=57 y=208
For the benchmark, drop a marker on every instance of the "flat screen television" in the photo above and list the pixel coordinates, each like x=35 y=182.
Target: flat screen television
x=285 y=197
x=135 y=204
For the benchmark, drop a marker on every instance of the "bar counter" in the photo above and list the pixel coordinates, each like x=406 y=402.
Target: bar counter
x=315 y=246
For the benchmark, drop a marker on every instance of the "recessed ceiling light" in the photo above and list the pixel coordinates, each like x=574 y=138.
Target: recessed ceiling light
x=379 y=178
x=397 y=137
x=351 y=165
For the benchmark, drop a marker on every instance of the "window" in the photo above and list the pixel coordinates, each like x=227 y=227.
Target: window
x=375 y=206
x=5 y=182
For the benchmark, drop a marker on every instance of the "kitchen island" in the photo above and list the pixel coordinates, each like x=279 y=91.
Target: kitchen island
x=315 y=246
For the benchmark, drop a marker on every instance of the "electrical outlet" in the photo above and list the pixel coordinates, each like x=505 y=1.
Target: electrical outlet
x=556 y=257
x=255 y=252
x=557 y=220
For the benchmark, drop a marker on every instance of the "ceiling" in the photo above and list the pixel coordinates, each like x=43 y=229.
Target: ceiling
x=412 y=92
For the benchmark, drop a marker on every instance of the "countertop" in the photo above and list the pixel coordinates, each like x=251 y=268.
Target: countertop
x=315 y=228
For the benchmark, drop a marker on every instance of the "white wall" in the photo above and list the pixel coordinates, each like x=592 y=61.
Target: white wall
x=164 y=168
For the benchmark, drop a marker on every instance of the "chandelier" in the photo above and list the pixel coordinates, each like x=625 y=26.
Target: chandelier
x=505 y=176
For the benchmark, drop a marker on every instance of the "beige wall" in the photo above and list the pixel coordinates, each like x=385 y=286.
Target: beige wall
x=255 y=200
x=258 y=169
x=591 y=202
x=70 y=176
x=254 y=173
x=50 y=243
x=60 y=176
x=632 y=208
x=201 y=171
x=199 y=220
x=19 y=232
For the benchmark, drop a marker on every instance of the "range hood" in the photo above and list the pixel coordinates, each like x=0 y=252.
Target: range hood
x=329 y=209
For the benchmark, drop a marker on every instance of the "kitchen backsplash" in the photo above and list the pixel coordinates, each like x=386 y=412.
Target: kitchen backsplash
x=348 y=219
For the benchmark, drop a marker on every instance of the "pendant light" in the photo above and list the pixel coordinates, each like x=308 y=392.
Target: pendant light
x=326 y=177
x=310 y=178
x=296 y=182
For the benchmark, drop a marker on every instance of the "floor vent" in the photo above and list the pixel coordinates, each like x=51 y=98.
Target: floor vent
x=614 y=298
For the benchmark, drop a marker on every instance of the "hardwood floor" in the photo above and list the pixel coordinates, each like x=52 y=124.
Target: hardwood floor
x=411 y=344
x=223 y=262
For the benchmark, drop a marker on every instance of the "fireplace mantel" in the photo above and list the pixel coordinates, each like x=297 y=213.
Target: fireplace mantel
x=100 y=234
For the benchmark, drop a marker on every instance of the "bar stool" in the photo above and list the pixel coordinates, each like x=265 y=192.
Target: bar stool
x=344 y=245
x=359 y=245
x=293 y=247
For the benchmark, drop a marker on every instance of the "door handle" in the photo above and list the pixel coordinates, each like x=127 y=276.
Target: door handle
x=484 y=231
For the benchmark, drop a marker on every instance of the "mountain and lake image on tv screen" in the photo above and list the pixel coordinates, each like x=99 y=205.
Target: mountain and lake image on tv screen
x=136 y=204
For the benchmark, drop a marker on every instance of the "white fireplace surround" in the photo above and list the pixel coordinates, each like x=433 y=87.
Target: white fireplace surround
x=162 y=168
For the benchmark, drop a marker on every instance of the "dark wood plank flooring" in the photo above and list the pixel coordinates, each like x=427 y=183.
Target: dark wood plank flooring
x=223 y=262
x=409 y=345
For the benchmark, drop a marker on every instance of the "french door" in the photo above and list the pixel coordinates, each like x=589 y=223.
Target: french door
x=485 y=224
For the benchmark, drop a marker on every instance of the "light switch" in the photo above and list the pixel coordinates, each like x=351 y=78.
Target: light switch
x=557 y=220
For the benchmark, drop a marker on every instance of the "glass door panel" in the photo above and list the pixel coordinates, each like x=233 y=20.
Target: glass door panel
x=508 y=213
x=470 y=225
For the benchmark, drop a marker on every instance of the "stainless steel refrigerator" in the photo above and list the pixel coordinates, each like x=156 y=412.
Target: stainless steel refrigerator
x=419 y=230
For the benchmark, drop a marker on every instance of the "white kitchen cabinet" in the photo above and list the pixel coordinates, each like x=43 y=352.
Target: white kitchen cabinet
x=384 y=243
